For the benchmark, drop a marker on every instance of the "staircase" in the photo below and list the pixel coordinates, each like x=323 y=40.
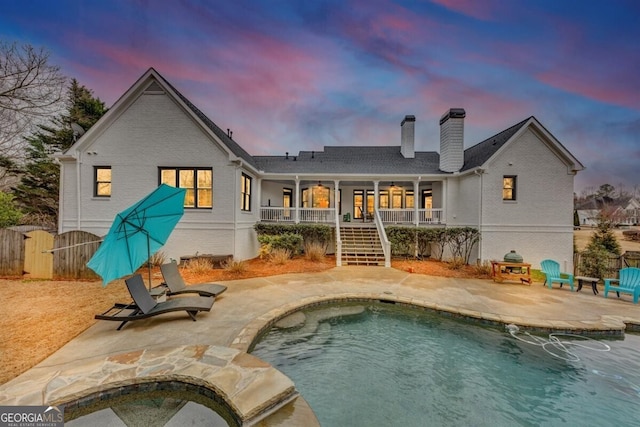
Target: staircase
x=361 y=246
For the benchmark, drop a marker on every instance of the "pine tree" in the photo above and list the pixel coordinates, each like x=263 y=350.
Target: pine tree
x=38 y=191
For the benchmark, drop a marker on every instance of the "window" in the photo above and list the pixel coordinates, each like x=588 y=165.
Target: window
x=102 y=180
x=384 y=199
x=287 y=201
x=321 y=196
x=509 y=187
x=197 y=181
x=245 y=189
x=409 y=200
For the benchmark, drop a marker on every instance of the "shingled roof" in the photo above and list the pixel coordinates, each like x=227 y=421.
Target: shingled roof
x=350 y=159
x=477 y=155
x=235 y=148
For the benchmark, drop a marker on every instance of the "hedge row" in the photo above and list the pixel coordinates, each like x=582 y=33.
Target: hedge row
x=416 y=241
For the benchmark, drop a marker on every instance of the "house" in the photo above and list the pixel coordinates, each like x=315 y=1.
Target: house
x=624 y=211
x=516 y=187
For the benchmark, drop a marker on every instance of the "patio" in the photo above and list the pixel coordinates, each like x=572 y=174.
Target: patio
x=251 y=304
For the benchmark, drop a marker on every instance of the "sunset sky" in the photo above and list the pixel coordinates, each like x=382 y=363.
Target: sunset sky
x=299 y=75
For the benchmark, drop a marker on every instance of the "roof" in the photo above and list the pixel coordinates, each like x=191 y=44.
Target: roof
x=478 y=155
x=378 y=160
x=233 y=146
x=371 y=160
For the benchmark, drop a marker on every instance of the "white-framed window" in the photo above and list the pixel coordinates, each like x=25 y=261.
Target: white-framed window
x=197 y=181
x=509 y=186
x=245 y=193
x=102 y=181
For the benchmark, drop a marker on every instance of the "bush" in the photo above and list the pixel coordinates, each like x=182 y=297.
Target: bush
x=287 y=241
x=456 y=263
x=234 y=267
x=594 y=261
x=280 y=256
x=199 y=265
x=9 y=214
x=310 y=232
x=314 y=251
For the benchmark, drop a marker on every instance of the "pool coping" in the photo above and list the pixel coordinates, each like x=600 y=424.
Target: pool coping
x=609 y=326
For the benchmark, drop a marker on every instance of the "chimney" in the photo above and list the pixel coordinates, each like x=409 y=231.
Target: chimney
x=452 y=140
x=407 y=135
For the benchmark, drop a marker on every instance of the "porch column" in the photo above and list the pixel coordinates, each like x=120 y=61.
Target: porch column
x=376 y=203
x=296 y=203
x=416 y=203
x=445 y=200
x=259 y=197
x=336 y=198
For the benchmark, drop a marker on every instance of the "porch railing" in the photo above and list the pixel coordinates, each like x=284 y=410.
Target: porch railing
x=407 y=216
x=327 y=215
x=323 y=215
x=277 y=214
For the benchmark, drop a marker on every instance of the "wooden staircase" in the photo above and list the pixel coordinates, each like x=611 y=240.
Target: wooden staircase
x=361 y=246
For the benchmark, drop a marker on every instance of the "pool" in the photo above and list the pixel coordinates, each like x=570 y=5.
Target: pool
x=380 y=364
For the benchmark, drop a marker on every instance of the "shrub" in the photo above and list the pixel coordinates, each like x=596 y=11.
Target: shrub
x=483 y=269
x=456 y=263
x=280 y=256
x=314 y=251
x=310 y=232
x=199 y=265
x=9 y=213
x=156 y=260
x=234 y=267
x=288 y=241
x=594 y=261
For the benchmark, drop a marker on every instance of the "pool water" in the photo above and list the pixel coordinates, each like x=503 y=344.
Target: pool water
x=385 y=365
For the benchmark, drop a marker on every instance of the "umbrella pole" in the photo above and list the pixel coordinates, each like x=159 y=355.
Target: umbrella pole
x=149 y=260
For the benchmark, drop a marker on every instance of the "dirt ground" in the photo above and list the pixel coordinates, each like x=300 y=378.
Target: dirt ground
x=38 y=317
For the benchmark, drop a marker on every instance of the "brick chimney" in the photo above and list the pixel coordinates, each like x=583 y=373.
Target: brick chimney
x=407 y=134
x=452 y=140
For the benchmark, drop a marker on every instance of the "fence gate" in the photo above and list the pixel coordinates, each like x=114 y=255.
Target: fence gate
x=38 y=262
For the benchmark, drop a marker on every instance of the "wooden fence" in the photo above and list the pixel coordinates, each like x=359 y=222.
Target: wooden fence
x=613 y=263
x=42 y=255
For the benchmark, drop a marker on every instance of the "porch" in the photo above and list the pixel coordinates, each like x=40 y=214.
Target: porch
x=404 y=216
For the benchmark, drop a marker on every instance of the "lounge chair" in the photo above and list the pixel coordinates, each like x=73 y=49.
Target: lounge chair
x=551 y=270
x=144 y=306
x=175 y=284
x=629 y=282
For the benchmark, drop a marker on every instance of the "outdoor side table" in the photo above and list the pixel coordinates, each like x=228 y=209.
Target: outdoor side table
x=593 y=280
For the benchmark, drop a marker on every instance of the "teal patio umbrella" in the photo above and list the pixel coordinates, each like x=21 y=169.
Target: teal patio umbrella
x=137 y=233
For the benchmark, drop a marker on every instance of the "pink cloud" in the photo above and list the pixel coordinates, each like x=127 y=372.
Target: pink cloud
x=482 y=10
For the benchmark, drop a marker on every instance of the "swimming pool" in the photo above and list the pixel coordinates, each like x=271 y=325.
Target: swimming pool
x=379 y=364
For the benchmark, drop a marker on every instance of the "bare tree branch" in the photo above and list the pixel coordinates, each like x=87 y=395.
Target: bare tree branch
x=31 y=91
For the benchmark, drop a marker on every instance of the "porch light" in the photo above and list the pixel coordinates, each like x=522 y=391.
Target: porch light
x=320 y=184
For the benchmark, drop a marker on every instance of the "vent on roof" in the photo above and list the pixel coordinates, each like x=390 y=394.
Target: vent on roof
x=154 y=88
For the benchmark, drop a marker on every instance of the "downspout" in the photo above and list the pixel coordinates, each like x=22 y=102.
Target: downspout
x=78 y=192
x=338 y=238
x=236 y=191
x=296 y=202
x=480 y=173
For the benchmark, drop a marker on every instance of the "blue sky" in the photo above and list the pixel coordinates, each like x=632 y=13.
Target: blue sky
x=298 y=75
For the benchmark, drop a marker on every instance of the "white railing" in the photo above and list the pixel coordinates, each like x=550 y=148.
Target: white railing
x=396 y=216
x=431 y=216
x=386 y=245
x=277 y=214
x=338 y=244
x=327 y=215
x=317 y=214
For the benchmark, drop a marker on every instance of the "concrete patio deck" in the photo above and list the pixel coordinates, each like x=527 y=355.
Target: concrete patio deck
x=249 y=305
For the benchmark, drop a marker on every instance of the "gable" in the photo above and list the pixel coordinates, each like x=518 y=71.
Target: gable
x=152 y=83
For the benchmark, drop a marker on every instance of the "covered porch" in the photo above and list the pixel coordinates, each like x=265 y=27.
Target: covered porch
x=417 y=202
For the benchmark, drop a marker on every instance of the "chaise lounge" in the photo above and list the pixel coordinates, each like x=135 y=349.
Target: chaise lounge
x=551 y=270
x=175 y=284
x=628 y=282
x=144 y=306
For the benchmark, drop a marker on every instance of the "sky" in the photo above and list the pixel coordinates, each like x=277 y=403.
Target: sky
x=287 y=76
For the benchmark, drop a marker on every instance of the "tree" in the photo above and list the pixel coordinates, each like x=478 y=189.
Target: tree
x=38 y=191
x=9 y=213
x=31 y=90
x=606 y=191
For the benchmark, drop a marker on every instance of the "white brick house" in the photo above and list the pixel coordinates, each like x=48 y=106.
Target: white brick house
x=515 y=187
